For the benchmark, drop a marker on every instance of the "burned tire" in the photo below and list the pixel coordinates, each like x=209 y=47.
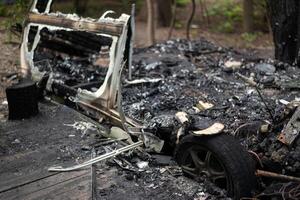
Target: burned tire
x=219 y=158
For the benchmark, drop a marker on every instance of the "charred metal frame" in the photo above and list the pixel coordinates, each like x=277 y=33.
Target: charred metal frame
x=106 y=100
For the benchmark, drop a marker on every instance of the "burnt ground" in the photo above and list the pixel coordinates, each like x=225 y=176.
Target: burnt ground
x=29 y=147
x=200 y=70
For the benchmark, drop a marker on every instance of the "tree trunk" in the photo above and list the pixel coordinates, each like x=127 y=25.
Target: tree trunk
x=248 y=15
x=150 y=22
x=164 y=9
x=285 y=19
x=173 y=20
x=189 y=23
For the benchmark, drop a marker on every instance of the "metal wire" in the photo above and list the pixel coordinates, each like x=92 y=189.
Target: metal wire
x=97 y=159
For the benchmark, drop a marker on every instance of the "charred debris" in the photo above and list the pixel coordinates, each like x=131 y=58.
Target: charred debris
x=178 y=88
x=195 y=72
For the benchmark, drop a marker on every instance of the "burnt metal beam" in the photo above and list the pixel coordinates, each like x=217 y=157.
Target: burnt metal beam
x=79 y=25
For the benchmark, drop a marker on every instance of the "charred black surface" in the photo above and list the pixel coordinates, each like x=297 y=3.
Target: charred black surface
x=76 y=59
x=22 y=100
x=73 y=42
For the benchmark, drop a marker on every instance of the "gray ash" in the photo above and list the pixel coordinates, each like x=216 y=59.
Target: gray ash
x=193 y=71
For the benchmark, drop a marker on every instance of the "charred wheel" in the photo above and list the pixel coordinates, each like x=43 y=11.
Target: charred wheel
x=221 y=159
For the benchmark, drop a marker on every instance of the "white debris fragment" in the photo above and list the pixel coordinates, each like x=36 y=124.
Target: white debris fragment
x=162 y=170
x=178 y=194
x=83 y=127
x=233 y=65
x=204 y=105
x=151 y=185
x=142 y=164
x=143 y=80
x=196 y=109
x=250 y=91
x=16 y=141
x=182 y=117
x=284 y=102
x=5 y=103
x=152 y=66
x=201 y=196
x=213 y=129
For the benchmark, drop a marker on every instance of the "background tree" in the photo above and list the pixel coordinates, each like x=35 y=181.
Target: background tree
x=164 y=12
x=248 y=15
x=189 y=23
x=150 y=22
x=285 y=23
x=172 y=24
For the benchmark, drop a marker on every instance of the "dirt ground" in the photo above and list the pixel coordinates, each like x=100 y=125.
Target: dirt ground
x=9 y=63
x=263 y=44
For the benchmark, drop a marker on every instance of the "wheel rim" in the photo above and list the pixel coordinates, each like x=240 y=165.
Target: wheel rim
x=201 y=162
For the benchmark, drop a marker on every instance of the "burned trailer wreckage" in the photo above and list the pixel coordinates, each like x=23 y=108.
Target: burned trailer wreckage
x=187 y=98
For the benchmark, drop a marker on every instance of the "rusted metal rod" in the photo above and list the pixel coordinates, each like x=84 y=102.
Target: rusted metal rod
x=262 y=173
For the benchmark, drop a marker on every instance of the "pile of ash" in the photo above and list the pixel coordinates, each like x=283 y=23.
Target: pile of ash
x=187 y=75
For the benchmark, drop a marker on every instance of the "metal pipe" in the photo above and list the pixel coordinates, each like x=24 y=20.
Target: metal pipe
x=276 y=176
x=132 y=25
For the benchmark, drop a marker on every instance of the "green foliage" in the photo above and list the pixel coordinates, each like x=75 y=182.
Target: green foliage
x=260 y=15
x=16 y=11
x=13 y=14
x=178 y=24
x=2 y=9
x=226 y=27
x=249 y=37
x=229 y=13
x=183 y=2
